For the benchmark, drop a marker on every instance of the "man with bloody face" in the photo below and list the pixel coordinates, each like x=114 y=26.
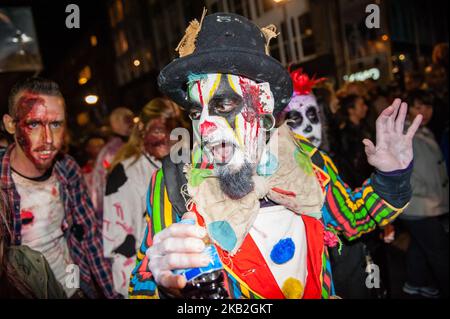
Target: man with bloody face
x=267 y=198
x=50 y=209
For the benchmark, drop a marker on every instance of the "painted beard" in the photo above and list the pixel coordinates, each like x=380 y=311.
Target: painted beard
x=236 y=184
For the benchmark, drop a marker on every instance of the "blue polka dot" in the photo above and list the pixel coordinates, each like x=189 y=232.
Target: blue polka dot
x=223 y=234
x=283 y=251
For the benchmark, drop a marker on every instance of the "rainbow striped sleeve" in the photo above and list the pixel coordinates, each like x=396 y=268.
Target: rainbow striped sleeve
x=158 y=216
x=354 y=212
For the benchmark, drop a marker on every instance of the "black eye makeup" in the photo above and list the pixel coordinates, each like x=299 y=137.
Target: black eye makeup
x=294 y=119
x=311 y=114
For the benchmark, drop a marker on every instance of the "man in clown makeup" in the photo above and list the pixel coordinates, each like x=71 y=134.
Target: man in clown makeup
x=269 y=201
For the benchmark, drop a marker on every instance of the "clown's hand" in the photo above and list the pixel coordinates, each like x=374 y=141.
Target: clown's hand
x=176 y=247
x=394 y=150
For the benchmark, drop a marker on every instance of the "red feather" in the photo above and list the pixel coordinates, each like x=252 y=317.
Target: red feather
x=303 y=85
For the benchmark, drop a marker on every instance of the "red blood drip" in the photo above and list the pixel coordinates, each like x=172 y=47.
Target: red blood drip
x=24 y=107
x=200 y=92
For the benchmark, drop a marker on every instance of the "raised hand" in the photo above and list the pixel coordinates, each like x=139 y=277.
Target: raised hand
x=394 y=149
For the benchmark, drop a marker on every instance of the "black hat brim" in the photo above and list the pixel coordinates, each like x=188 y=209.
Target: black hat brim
x=254 y=65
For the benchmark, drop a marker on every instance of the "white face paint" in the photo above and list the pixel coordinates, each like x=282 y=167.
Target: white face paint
x=302 y=115
x=230 y=122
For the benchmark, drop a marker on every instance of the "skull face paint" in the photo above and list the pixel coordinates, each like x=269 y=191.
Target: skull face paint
x=302 y=115
x=230 y=125
x=40 y=125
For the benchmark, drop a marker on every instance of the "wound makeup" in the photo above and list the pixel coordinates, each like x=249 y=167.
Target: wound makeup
x=39 y=127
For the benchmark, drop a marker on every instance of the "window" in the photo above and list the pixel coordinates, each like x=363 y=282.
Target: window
x=307 y=34
x=258 y=11
x=295 y=39
x=237 y=7
x=285 y=36
x=267 y=5
x=247 y=8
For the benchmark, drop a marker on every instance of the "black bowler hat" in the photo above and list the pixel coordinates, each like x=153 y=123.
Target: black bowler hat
x=230 y=44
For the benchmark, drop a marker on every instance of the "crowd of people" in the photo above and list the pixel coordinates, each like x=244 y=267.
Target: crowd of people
x=56 y=212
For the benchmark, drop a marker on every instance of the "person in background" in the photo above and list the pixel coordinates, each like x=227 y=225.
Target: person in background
x=92 y=147
x=127 y=183
x=21 y=267
x=121 y=121
x=50 y=210
x=351 y=157
x=427 y=255
x=413 y=81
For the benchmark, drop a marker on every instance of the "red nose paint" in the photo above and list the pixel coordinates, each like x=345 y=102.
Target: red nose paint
x=207 y=128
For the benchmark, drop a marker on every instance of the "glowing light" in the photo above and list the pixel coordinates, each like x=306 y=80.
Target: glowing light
x=384 y=37
x=93 y=40
x=82 y=80
x=137 y=62
x=91 y=99
x=136 y=120
x=401 y=57
x=372 y=73
x=85 y=75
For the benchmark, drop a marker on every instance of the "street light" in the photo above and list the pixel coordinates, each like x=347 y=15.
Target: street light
x=91 y=99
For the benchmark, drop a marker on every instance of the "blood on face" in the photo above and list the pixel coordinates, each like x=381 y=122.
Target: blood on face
x=39 y=127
